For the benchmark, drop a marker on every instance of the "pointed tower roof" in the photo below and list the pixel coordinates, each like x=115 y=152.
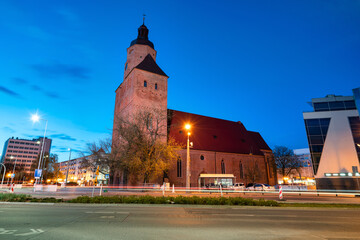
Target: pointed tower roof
x=142 y=37
x=149 y=65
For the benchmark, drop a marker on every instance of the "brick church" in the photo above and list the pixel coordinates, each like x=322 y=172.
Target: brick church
x=223 y=151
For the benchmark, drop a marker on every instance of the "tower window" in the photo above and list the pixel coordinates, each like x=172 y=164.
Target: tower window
x=145 y=83
x=202 y=157
x=126 y=65
x=156 y=86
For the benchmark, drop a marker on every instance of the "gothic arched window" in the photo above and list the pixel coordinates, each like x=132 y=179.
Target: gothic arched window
x=241 y=170
x=179 y=168
x=222 y=167
x=145 y=83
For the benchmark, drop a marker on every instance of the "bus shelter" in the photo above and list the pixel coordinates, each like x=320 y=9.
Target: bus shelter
x=215 y=180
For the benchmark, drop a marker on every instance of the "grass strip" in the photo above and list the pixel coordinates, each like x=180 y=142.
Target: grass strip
x=194 y=200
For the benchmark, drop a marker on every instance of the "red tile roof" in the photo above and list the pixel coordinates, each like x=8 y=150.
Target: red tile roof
x=213 y=134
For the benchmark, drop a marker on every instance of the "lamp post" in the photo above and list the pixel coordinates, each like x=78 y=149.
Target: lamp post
x=67 y=171
x=13 y=173
x=2 y=181
x=36 y=118
x=188 y=173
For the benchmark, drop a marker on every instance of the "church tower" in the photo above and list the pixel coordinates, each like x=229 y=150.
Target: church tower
x=144 y=86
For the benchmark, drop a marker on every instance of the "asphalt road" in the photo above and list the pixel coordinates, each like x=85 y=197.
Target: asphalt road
x=80 y=221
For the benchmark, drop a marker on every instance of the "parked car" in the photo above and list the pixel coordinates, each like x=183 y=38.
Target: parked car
x=238 y=187
x=260 y=187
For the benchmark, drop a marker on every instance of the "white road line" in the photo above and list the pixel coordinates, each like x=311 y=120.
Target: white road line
x=107 y=212
x=33 y=231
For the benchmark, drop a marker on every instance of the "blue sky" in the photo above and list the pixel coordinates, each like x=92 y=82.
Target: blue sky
x=258 y=62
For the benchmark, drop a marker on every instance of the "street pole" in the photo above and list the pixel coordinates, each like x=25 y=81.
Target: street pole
x=36 y=118
x=188 y=173
x=42 y=147
x=2 y=181
x=67 y=171
x=13 y=170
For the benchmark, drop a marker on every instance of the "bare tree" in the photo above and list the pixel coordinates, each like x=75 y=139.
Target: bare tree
x=286 y=160
x=140 y=147
x=252 y=173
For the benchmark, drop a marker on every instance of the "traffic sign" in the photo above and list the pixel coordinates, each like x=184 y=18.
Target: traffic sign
x=107 y=176
x=38 y=173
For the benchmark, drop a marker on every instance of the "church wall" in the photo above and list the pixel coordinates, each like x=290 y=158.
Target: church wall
x=212 y=164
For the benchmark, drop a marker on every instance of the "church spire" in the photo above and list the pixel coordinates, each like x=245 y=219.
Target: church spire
x=143 y=37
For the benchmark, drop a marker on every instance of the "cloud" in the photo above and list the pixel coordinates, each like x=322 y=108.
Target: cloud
x=8 y=129
x=18 y=80
x=38 y=33
x=69 y=16
x=36 y=88
x=62 y=137
x=9 y=92
x=63 y=149
x=59 y=70
x=52 y=95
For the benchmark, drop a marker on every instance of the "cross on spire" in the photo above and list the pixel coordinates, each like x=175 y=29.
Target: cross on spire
x=144 y=19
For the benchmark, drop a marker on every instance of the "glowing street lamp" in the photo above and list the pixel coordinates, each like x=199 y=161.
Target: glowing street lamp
x=188 y=173
x=36 y=118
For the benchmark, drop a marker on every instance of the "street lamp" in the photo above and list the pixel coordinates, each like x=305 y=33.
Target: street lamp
x=13 y=174
x=36 y=118
x=2 y=181
x=67 y=171
x=188 y=174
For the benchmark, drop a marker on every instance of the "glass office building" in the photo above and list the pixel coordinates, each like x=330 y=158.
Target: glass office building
x=333 y=131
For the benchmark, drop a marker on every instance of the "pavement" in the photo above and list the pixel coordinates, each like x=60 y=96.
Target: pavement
x=131 y=221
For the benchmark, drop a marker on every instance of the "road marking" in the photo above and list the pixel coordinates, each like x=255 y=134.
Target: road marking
x=102 y=212
x=108 y=212
x=107 y=217
x=235 y=215
x=33 y=231
x=4 y=231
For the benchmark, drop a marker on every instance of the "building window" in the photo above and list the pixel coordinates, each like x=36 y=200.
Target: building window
x=222 y=167
x=126 y=65
x=179 y=175
x=355 y=130
x=241 y=170
x=202 y=157
x=316 y=130
x=156 y=86
x=145 y=83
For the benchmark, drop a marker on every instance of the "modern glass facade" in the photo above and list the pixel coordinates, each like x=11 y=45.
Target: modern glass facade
x=334 y=106
x=316 y=130
x=355 y=130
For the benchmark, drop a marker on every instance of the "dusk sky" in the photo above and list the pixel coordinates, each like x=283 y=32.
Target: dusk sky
x=258 y=62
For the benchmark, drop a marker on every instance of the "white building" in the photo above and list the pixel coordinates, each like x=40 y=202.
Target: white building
x=76 y=172
x=333 y=131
